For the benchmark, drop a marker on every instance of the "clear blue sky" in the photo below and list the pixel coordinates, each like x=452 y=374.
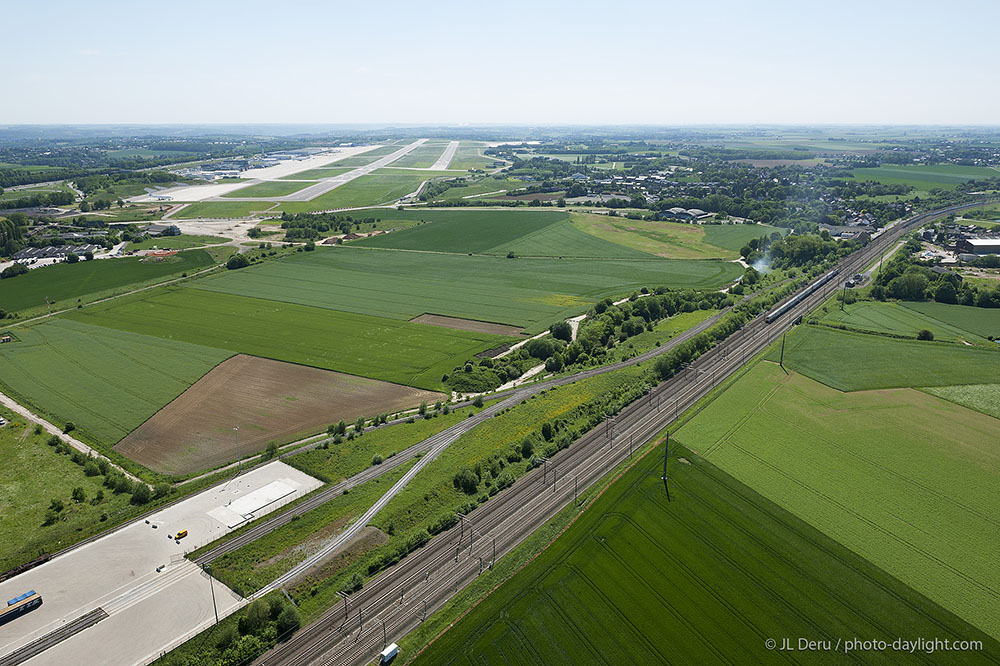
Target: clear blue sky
x=658 y=62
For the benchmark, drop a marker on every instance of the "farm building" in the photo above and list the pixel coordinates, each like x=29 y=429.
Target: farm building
x=163 y=230
x=979 y=245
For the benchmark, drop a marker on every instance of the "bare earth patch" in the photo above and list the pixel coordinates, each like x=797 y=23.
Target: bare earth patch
x=466 y=324
x=364 y=541
x=267 y=400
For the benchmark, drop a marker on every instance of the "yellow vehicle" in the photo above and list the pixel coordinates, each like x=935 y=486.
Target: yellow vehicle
x=181 y=534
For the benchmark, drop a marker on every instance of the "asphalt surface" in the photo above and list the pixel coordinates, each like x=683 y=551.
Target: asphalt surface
x=394 y=602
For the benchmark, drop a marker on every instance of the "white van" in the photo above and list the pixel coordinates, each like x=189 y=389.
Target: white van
x=388 y=654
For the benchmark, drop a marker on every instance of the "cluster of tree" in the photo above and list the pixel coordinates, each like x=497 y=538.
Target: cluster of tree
x=243 y=636
x=12 y=233
x=39 y=200
x=908 y=279
x=759 y=210
x=719 y=153
x=109 y=181
x=489 y=373
x=312 y=225
x=806 y=251
x=850 y=189
x=436 y=188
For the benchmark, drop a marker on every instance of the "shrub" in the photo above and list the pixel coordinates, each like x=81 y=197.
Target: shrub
x=466 y=481
x=924 y=334
x=478 y=401
x=237 y=261
x=289 y=620
x=141 y=494
x=377 y=459
x=79 y=495
x=69 y=427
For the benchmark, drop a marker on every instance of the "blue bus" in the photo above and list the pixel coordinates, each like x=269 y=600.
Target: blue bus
x=20 y=605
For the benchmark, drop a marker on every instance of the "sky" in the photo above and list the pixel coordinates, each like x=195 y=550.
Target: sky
x=541 y=62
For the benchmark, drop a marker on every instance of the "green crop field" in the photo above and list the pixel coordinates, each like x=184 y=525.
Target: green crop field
x=529 y=293
x=674 y=240
x=376 y=188
x=704 y=579
x=980 y=321
x=899 y=320
x=983 y=398
x=388 y=349
x=267 y=189
x=105 y=381
x=225 y=209
x=857 y=361
x=900 y=477
x=34 y=475
x=177 y=242
x=62 y=282
x=475 y=189
x=944 y=176
x=463 y=230
x=318 y=173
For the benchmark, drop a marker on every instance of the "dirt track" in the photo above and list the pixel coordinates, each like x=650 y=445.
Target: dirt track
x=466 y=324
x=268 y=400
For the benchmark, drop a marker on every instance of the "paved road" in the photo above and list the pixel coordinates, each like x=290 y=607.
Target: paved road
x=446 y=157
x=425 y=580
x=324 y=186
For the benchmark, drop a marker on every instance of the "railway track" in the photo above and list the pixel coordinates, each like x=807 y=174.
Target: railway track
x=394 y=602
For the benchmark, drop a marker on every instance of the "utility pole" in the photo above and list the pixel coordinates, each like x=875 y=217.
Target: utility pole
x=576 y=485
x=240 y=468
x=208 y=569
x=843 y=297
x=781 y=362
x=493 y=561
x=383 y=634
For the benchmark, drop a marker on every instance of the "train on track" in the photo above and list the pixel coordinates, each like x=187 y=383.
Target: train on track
x=20 y=605
x=801 y=296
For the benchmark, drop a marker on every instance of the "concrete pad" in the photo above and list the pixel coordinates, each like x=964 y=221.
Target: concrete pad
x=118 y=573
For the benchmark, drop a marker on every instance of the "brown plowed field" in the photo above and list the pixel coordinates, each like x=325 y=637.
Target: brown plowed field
x=466 y=324
x=268 y=400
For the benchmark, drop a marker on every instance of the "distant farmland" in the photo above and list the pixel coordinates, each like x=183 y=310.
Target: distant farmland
x=896 y=319
x=268 y=400
x=902 y=478
x=944 y=176
x=706 y=578
x=71 y=281
x=529 y=293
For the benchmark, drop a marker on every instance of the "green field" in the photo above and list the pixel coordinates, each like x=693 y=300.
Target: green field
x=704 y=579
x=318 y=173
x=899 y=320
x=467 y=157
x=267 y=189
x=34 y=475
x=530 y=293
x=68 y=282
x=980 y=321
x=105 y=381
x=857 y=361
x=983 y=398
x=900 y=477
x=944 y=176
x=485 y=186
x=478 y=231
x=357 y=344
x=674 y=240
x=224 y=209
x=373 y=189
x=177 y=242
x=9 y=195
x=421 y=157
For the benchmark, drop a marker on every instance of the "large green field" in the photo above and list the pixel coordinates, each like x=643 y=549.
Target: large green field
x=530 y=293
x=63 y=282
x=421 y=157
x=317 y=173
x=268 y=189
x=467 y=157
x=373 y=189
x=898 y=320
x=105 y=381
x=224 y=209
x=944 y=176
x=983 y=398
x=358 y=344
x=704 y=579
x=980 y=321
x=900 y=477
x=674 y=240
x=857 y=361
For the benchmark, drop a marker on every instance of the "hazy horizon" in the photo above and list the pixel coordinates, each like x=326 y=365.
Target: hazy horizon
x=718 y=63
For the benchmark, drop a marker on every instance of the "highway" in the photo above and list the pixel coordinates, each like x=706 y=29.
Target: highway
x=395 y=601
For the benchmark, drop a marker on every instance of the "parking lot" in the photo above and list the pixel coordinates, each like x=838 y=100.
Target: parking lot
x=118 y=573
